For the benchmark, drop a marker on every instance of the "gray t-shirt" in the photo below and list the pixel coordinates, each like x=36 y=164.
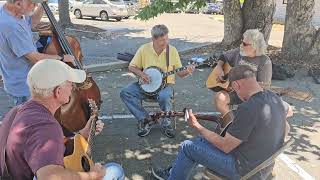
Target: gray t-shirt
x=261 y=64
x=16 y=41
x=260 y=124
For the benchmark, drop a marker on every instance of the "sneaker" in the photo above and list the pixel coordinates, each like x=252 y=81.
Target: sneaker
x=143 y=129
x=167 y=128
x=161 y=174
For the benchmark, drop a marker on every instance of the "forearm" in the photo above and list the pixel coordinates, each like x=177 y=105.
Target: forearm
x=135 y=71
x=220 y=63
x=84 y=133
x=213 y=138
x=36 y=56
x=36 y=17
x=53 y=173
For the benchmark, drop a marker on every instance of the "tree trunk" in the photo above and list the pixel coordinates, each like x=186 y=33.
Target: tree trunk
x=258 y=14
x=64 y=16
x=232 y=22
x=301 y=39
x=255 y=14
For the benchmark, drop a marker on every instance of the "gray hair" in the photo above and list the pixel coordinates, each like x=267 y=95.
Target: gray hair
x=12 y=1
x=159 y=31
x=39 y=92
x=257 y=40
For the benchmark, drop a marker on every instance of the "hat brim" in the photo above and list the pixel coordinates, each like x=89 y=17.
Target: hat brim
x=77 y=76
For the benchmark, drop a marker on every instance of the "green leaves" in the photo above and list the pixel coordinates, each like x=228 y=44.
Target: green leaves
x=161 y=6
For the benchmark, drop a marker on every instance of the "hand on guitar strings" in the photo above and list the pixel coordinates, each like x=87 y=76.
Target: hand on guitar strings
x=144 y=78
x=220 y=74
x=190 y=68
x=97 y=172
x=68 y=58
x=193 y=122
x=86 y=130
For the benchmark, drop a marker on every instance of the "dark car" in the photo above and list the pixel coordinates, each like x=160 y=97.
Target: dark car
x=213 y=8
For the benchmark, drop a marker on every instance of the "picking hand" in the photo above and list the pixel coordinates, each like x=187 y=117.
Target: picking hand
x=68 y=58
x=190 y=69
x=97 y=172
x=145 y=78
x=220 y=74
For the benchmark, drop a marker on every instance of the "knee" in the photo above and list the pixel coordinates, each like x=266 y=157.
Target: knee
x=164 y=97
x=124 y=93
x=115 y=171
x=221 y=97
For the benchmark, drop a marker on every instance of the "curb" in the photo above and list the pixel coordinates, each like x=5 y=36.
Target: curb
x=119 y=64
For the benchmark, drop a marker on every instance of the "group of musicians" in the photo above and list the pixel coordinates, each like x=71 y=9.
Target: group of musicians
x=39 y=84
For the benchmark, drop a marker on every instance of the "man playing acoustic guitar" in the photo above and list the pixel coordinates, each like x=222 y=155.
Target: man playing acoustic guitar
x=153 y=54
x=252 y=52
x=257 y=131
x=35 y=146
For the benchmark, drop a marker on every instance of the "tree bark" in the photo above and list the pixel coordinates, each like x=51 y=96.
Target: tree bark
x=64 y=16
x=258 y=14
x=233 y=23
x=301 y=39
x=255 y=14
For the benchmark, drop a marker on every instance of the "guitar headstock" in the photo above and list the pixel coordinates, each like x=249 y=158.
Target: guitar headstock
x=211 y=61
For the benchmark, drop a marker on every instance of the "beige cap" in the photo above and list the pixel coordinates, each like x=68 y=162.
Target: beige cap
x=50 y=73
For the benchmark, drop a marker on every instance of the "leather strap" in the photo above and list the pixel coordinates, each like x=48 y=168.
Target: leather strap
x=5 y=173
x=167 y=59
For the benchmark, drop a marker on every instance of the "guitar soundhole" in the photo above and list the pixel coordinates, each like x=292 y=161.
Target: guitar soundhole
x=85 y=164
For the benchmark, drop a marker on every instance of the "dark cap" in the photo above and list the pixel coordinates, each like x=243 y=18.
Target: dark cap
x=241 y=72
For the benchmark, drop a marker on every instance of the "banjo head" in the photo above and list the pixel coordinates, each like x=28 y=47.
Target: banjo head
x=155 y=75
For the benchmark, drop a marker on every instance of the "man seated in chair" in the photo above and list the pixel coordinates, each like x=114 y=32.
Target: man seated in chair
x=153 y=54
x=257 y=132
x=252 y=52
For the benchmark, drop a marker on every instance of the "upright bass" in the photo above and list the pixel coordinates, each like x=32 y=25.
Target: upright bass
x=75 y=114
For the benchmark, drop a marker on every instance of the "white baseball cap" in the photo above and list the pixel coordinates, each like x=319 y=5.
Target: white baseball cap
x=50 y=73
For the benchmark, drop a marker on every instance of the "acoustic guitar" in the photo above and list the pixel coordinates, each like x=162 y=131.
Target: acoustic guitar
x=216 y=85
x=78 y=150
x=223 y=122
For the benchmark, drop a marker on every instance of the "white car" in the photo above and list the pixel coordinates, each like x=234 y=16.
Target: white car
x=2 y=2
x=105 y=9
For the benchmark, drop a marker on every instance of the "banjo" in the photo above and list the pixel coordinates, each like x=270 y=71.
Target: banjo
x=158 y=77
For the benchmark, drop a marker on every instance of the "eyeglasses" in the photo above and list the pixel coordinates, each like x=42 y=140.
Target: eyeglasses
x=245 y=44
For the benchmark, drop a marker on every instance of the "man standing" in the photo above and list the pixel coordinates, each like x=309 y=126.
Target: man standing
x=257 y=131
x=17 y=49
x=153 y=54
x=35 y=146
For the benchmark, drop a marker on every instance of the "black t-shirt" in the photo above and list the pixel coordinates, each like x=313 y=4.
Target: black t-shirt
x=260 y=124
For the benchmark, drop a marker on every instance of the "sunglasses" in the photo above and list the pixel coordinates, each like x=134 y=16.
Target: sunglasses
x=245 y=44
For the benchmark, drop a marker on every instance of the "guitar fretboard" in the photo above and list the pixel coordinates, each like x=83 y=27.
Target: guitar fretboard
x=180 y=69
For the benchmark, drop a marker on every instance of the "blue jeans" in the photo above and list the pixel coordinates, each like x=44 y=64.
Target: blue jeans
x=113 y=172
x=200 y=151
x=19 y=100
x=132 y=96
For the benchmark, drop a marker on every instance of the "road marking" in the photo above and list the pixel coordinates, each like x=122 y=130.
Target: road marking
x=295 y=167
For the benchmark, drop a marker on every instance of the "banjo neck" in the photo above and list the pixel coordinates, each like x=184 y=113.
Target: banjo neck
x=179 y=70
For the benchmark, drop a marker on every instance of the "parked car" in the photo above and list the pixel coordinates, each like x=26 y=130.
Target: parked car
x=105 y=9
x=53 y=5
x=213 y=8
x=2 y=2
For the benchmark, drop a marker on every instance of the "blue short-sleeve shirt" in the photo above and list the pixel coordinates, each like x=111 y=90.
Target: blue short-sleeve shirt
x=16 y=41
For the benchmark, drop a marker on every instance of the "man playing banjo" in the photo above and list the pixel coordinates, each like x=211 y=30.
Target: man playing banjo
x=148 y=55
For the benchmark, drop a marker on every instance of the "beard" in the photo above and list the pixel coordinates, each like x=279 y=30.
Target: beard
x=242 y=52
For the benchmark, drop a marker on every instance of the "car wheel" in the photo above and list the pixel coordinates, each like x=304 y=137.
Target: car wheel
x=78 y=14
x=118 y=19
x=104 y=16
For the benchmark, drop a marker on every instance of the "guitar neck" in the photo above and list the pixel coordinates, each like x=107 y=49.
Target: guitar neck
x=213 y=118
x=179 y=70
x=91 y=135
